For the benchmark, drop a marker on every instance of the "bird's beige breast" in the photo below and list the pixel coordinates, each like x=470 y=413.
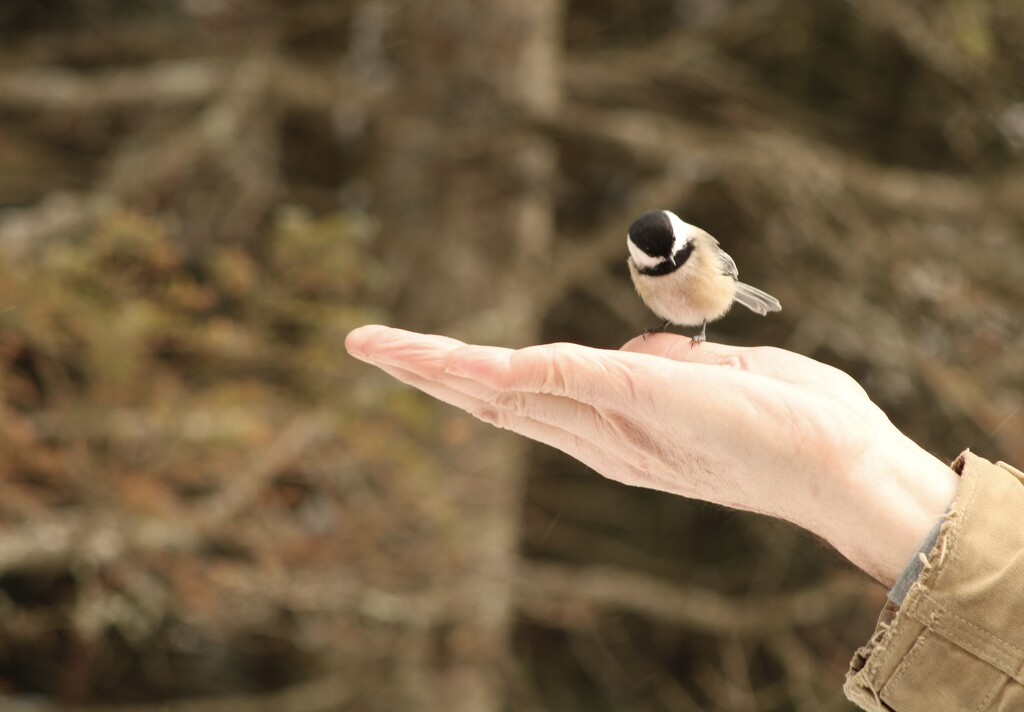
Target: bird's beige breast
x=687 y=296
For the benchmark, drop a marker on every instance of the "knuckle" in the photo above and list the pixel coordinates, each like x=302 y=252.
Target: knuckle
x=498 y=417
x=739 y=362
x=515 y=402
x=487 y=413
x=626 y=430
x=755 y=359
x=554 y=369
x=548 y=363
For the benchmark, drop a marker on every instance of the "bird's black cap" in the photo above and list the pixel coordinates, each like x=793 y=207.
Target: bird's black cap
x=652 y=233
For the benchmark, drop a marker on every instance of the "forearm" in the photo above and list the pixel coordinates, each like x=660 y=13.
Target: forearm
x=887 y=506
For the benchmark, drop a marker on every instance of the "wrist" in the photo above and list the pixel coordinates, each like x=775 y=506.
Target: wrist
x=891 y=501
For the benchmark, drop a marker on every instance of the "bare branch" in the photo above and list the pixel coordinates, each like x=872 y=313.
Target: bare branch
x=186 y=82
x=54 y=89
x=770 y=153
x=556 y=593
x=72 y=539
x=912 y=29
x=322 y=694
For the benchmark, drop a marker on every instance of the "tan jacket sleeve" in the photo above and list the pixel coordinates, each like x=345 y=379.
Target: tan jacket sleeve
x=957 y=641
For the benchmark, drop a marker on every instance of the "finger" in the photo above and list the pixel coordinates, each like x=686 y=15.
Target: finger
x=568 y=370
x=682 y=348
x=382 y=344
x=610 y=432
x=406 y=354
x=461 y=397
x=472 y=396
x=550 y=434
x=570 y=415
x=761 y=360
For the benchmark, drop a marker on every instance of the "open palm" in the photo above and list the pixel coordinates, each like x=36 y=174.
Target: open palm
x=759 y=429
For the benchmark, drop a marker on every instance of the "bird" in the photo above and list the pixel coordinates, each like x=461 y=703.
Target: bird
x=684 y=276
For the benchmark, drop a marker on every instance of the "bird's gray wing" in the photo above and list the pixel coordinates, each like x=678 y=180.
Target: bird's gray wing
x=727 y=265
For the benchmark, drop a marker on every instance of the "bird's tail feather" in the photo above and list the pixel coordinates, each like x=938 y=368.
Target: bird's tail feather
x=755 y=300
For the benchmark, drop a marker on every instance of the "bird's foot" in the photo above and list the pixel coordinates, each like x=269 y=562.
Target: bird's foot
x=701 y=337
x=657 y=329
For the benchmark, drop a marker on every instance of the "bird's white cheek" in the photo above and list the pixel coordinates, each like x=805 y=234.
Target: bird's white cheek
x=641 y=258
x=680 y=231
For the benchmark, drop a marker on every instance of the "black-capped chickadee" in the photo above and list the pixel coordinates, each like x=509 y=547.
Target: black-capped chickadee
x=683 y=276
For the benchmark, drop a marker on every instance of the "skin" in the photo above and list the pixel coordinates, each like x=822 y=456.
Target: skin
x=757 y=429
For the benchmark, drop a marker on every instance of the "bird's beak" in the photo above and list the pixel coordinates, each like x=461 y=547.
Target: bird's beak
x=672 y=259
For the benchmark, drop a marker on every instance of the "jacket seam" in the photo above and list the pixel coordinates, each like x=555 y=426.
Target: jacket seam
x=905 y=663
x=986 y=701
x=1007 y=660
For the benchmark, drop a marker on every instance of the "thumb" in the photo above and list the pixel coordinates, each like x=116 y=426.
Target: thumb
x=682 y=348
x=767 y=361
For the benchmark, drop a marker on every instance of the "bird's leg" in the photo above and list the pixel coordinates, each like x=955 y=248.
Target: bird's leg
x=657 y=329
x=699 y=338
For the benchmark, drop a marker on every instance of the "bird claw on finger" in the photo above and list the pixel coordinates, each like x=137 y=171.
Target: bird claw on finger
x=656 y=329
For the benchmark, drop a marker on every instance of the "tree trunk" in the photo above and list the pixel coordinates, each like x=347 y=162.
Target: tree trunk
x=465 y=190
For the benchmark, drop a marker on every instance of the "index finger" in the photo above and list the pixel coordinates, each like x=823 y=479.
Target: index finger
x=568 y=370
x=406 y=349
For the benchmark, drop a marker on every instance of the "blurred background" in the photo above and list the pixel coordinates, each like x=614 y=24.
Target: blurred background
x=206 y=505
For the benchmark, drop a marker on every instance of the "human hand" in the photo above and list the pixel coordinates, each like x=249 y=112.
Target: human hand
x=759 y=429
